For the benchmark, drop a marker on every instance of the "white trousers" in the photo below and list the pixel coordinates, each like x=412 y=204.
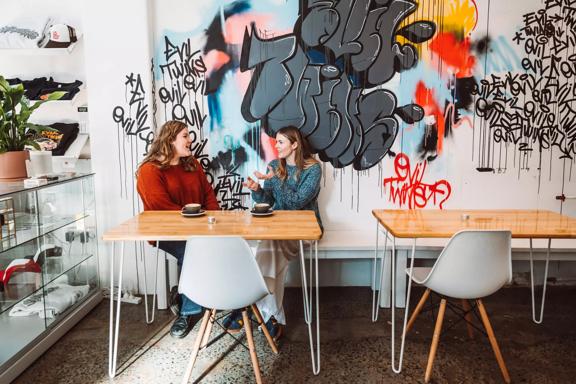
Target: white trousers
x=273 y=257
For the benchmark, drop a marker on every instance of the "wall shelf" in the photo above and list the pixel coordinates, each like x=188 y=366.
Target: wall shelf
x=42 y=51
x=79 y=100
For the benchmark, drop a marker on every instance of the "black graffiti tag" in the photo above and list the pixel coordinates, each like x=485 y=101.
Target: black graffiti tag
x=183 y=83
x=535 y=110
x=229 y=191
x=137 y=125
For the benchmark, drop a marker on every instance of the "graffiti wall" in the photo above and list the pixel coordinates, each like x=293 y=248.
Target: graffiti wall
x=408 y=104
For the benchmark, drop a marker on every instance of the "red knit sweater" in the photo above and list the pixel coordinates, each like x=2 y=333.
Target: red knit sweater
x=174 y=187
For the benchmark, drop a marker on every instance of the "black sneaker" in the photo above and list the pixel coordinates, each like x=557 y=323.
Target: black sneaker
x=183 y=325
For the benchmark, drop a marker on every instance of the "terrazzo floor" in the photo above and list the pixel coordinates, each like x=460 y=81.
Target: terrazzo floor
x=354 y=350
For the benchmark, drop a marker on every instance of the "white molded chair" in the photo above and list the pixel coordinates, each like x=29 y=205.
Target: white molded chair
x=474 y=264
x=221 y=273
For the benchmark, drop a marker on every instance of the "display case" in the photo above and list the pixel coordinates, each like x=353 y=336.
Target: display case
x=48 y=265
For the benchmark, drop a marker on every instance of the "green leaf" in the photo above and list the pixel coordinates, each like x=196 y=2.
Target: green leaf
x=57 y=95
x=15 y=111
x=49 y=97
x=32 y=143
x=39 y=128
x=16 y=93
x=24 y=114
x=4 y=86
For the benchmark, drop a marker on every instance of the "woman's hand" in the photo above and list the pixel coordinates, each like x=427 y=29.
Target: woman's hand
x=267 y=176
x=251 y=184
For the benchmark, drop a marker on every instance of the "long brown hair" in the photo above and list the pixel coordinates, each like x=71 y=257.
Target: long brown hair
x=162 y=151
x=303 y=157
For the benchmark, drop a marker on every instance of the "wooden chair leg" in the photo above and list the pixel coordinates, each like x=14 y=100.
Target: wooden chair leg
x=253 y=356
x=196 y=347
x=418 y=309
x=206 y=337
x=468 y=316
x=493 y=342
x=435 y=340
x=260 y=320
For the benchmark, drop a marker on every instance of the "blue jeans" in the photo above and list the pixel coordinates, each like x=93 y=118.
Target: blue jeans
x=176 y=249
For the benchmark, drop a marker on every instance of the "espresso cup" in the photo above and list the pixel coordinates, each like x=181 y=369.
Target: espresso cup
x=261 y=207
x=192 y=208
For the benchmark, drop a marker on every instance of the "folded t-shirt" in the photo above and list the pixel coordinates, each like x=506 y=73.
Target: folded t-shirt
x=40 y=87
x=71 y=89
x=25 y=32
x=50 y=302
x=67 y=133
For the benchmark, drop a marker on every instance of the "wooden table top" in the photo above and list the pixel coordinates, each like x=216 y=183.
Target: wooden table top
x=426 y=223
x=170 y=225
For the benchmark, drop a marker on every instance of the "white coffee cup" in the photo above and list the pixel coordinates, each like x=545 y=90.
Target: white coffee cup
x=261 y=207
x=192 y=208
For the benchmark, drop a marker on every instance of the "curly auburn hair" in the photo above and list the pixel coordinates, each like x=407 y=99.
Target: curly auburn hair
x=162 y=151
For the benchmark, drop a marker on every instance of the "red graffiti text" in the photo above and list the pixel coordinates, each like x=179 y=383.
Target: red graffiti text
x=407 y=188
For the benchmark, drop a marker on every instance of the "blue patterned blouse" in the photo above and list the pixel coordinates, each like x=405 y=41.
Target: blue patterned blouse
x=295 y=193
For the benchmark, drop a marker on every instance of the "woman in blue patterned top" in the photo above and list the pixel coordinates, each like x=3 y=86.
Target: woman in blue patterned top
x=292 y=183
x=293 y=180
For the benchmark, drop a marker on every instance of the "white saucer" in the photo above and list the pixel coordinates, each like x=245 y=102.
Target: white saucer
x=201 y=213
x=270 y=212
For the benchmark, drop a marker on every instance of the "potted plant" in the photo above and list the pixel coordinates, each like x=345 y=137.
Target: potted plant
x=15 y=130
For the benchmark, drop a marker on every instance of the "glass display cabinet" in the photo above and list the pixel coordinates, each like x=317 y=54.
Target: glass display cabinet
x=48 y=266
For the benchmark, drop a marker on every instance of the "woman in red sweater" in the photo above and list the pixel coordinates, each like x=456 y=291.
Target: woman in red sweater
x=169 y=177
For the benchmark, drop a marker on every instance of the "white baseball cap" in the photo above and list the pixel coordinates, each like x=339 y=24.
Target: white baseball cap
x=60 y=36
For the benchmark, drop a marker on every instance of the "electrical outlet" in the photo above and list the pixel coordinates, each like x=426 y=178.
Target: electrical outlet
x=126 y=297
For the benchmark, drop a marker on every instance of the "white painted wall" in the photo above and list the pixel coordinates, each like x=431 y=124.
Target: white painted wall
x=121 y=38
x=117 y=45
